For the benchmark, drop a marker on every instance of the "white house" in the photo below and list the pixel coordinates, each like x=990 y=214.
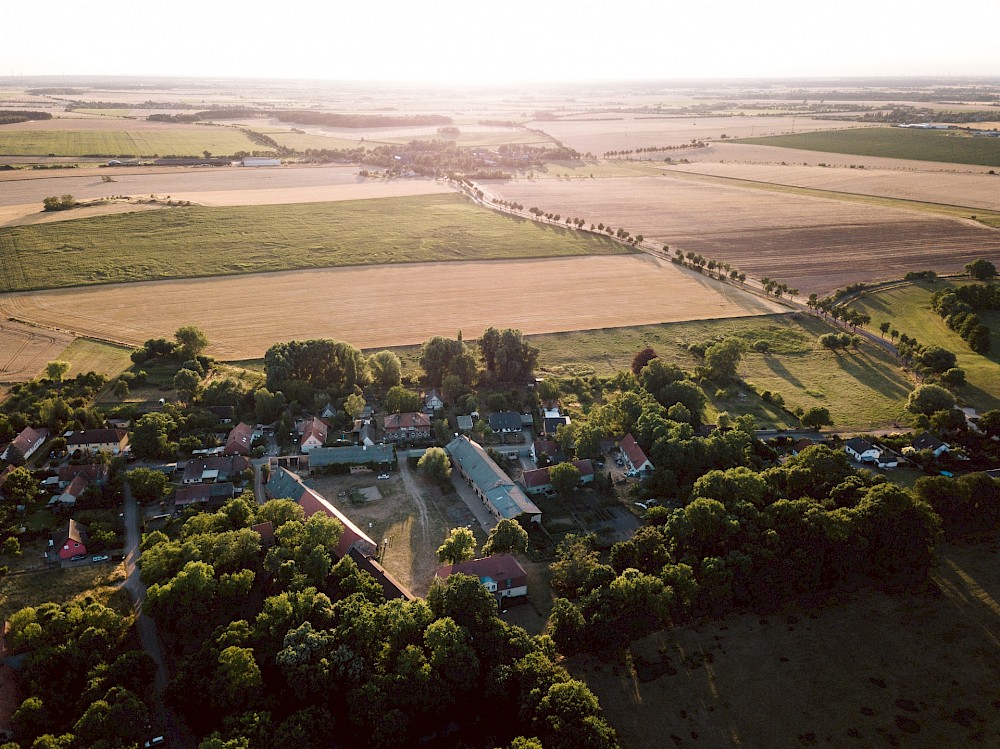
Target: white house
x=928 y=441
x=865 y=451
x=24 y=445
x=314 y=434
x=501 y=575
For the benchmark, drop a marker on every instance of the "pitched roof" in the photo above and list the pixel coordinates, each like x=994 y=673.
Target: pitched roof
x=551 y=423
x=74 y=531
x=265 y=529
x=95 y=436
x=409 y=420
x=464 y=423
x=498 y=569
x=186 y=495
x=927 y=441
x=536 y=477
x=391 y=587
x=632 y=451
x=802 y=444
x=93 y=472
x=505 y=421
x=76 y=486
x=239 y=438
x=316 y=429
x=506 y=497
x=226 y=465
x=859 y=445
x=25 y=442
x=350 y=455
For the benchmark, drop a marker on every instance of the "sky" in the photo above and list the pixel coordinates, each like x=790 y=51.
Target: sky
x=511 y=41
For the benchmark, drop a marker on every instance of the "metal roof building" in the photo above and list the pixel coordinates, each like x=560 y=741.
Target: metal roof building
x=492 y=485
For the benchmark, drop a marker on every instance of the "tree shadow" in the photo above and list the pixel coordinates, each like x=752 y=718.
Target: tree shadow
x=865 y=371
x=776 y=366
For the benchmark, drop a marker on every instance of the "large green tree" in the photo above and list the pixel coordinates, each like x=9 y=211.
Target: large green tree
x=147 y=485
x=460 y=546
x=435 y=465
x=506 y=537
x=507 y=355
x=151 y=436
x=333 y=367
x=440 y=357
x=385 y=368
x=928 y=399
x=191 y=341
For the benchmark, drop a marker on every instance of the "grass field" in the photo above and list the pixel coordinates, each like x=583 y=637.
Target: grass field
x=894 y=142
x=125 y=142
x=908 y=308
x=862 y=389
x=199 y=241
x=62 y=585
x=86 y=355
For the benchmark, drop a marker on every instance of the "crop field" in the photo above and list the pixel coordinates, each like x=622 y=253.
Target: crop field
x=813 y=244
x=915 y=670
x=197 y=241
x=25 y=350
x=85 y=355
x=970 y=190
x=380 y=306
x=124 y=142
x=895 y=142
x=617 y=132
x=908 y=309
x=863 y=388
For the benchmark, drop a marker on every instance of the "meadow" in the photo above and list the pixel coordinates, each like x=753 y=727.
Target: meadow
x=127 y=142
x=908 y=309
x=86 y=355
x=198 y=241
x=894 y=142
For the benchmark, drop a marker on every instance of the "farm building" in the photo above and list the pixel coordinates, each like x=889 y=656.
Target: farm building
x=358 y=455
x=634 y=455
x=408 y=426
x=502 y=497
x=314 y=432
x=71 y=541
x=24 y=445
x=259 y=161
x=284 y=484
x=502 y=574
x=537 y=481
x=93 y=441
x=238 y=441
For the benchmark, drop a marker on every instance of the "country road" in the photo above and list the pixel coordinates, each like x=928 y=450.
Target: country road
x=423 y=519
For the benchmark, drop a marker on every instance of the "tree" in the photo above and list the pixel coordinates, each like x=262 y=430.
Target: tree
x=547 y=390
x=55 y=370
x=399 y=400
x=927 y=399
x=385 y=368
x=565 y=477
x=816 y=417
x=354 y=405
x=723 y=358
x=936 y=359
x=884 y=327
x=318 y=365
x=460 y=546
x=188 y=384
x=121 y=388
x=191 y=341
x=147 y=485
x=435 y=465
x=641 y=359
x=21 y=487
x=507 y=355
x=506 y=537
x=981 y=269
x=575 y=560
x=151 y=436
x=440 y=357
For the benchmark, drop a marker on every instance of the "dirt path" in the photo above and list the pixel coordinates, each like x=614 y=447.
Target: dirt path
x=423 y=518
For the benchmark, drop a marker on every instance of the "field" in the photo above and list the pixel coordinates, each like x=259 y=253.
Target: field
x=862 y=389
x=85 y=355
x=598 y=132
x=199 y=241
x=61 y=586
x=895 y=142
x=125 y=142
x=373 y=307
x=916 y=670
x=970 y=190
x=909 y=310
x=25 y=350
x=813 y=244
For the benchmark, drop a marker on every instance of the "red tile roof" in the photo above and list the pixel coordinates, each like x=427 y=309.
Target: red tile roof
x=25 y=442
x=313 y=502
x=238 y=440
x=92 y=471
x=316 y=428
x=499 y=568
x=77 y=486
x=540 y=476
x=407 y=421
x=198 y=493
x=632 y=451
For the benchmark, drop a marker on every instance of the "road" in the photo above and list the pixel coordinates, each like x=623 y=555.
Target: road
x=174 y=729
x=414 y=490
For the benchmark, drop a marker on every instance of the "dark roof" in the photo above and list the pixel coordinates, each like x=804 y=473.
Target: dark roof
x=509 y=421
x=802 y=444
x=350 y=455
x=927 y=441
x=391 y=587
x=223 y=412
x=554 y=422
x=95 y=436
x=859 y=445
x=93 y=472
x=226 y=465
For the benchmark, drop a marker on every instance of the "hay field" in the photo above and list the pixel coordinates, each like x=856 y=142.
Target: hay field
x=391 y=305
x=813 y=244
x=123 y=142
x=183 y=242
x=971 y=190
x=85 y=355
x=915 y=670
x=25 y=350
x=616 y=132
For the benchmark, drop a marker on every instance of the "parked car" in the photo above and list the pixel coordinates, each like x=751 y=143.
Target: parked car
x=155 y=741
x=78 y=557
x=383 y=476
x=101 y=558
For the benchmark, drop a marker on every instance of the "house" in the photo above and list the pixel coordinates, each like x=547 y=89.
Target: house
x=928 y=441
x=864 y=451
x=314 y=434
x=211 y=495
x=328 y=411
x=358 y=455
x=391 y=587
x=537 y=481
x=549 y=448
x=502 y=497
x=465 y=423
x=72 y=541
x=72 y=492
x=93 y=441
x=283 y=484
x=266 y=532
x=24 y=445
x=93 y=472
x=551 y=423
x=634 y=455
x=801 y=445
x=363 y=433
x=407 y=426
x=505 y=422
x=238 y=441
x=433 y=402
x=502 y=574
x=215 y=468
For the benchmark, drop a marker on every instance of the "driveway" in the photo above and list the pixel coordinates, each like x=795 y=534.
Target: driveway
x=476 y=507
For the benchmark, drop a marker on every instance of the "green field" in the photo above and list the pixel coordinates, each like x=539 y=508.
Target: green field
x=862 y=389
x=127 y=143
x=895 y=143
x=86 y=355
x=185 y=242
x=908 y=308
x=101 y=581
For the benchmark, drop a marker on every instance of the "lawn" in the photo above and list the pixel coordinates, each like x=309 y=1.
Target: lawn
x=63 y=585
x=893 y=142
x=86 y=355
x=908 y=308
x=124 y=143
x=196 y=241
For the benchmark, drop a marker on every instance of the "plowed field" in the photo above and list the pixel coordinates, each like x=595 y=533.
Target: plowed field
x=24 y=350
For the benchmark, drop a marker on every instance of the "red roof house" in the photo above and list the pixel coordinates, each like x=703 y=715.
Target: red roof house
x=636 y=458
x=408 y=426
x=314 y=434
x=238 y=441
x=537 y=481
x=72 y=541
x=501 y=574
x=23 y=446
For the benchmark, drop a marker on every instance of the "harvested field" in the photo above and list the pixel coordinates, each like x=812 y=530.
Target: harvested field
x=196 y=241
x=813 y=244
x=25 y=215
x=380 y=306
x=971 y=190
x=916 y=670
x=25 y=350
x=120 y=142
x=896 y=142
x=625 y=131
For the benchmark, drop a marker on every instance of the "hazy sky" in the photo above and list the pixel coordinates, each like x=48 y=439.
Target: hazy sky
x=506 y=41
